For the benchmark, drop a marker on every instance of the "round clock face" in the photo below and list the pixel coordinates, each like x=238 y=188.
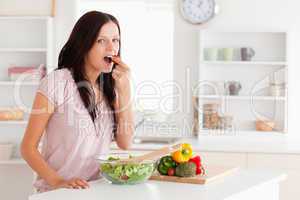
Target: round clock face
x=198 y=11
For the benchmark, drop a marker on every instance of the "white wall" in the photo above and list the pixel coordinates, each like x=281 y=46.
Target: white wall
x=247 y=15
x=64 y=21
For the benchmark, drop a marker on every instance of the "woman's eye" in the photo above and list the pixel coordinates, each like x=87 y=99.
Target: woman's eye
x=101 y=41
x=116 y=40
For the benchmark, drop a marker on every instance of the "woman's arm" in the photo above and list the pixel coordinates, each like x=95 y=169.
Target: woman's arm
x=34 y=131
x=125 y=122
x=41 y=113
x=123 y=106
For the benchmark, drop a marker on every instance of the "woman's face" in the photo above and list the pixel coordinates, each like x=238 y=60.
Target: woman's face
x=106 y=44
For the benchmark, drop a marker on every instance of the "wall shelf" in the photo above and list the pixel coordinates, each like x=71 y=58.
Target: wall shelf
x=13 y=161
x=266 y=98
x=14 y=83
x=259 y=63
x=237 y=133
x=24 y=17
x=23 y=50
x=269 y=64
x=14 y=122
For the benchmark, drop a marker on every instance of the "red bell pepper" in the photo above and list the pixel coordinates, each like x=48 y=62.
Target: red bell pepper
x=197 y=161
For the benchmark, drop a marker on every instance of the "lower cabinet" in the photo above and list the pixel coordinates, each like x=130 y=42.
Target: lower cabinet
x=15 y=182
x=224 y=159
x=287 y=163
x=290 y=164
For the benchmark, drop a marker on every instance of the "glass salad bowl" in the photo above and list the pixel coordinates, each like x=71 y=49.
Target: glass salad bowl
x=118 y=172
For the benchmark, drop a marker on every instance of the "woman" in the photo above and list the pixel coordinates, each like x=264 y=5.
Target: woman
x=81 y=106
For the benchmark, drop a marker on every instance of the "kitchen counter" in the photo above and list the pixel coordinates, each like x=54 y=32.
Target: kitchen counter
x=247 y=143
x=243 y=184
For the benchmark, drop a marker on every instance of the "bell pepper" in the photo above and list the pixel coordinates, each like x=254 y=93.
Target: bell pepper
x=183 y=154
x=197 y=161
x=165 y=164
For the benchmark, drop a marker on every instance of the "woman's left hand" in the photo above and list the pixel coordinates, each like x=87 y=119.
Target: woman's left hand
x=121 y=75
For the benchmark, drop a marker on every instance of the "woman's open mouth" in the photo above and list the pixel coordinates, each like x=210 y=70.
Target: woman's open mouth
x=108 y=59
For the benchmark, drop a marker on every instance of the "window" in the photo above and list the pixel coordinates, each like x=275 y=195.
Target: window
x=147 y=47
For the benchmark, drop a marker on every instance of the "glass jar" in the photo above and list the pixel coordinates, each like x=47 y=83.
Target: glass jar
x=210 y=116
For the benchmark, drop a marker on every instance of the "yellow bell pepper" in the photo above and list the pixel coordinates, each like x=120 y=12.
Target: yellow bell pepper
x=183 y=154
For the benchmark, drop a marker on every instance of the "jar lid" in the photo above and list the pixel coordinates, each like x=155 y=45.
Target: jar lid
x=210 y=106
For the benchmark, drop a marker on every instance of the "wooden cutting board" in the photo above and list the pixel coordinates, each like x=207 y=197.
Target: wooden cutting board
x=212 y=173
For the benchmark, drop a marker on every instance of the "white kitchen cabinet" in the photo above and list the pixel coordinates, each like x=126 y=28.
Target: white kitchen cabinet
x=223 y=159
x=15 y=182
x=288 y=163
x=25 y=41
x=274 y=161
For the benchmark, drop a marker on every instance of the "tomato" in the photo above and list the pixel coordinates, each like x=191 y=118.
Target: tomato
x=124 y=177
x=171 y=172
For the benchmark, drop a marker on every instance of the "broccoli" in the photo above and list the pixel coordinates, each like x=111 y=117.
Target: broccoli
x=186 y=169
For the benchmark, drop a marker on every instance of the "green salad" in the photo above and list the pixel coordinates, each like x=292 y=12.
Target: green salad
x=121 y=173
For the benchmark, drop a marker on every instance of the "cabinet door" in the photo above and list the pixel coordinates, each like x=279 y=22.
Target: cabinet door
x=289 y=164
x=274 y=161
x=15 y=181
x=224 y=159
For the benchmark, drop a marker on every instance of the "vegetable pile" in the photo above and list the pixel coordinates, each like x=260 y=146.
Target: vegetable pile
x=181 y=163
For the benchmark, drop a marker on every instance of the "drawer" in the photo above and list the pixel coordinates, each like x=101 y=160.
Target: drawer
x=224 y=159
x=274 y=161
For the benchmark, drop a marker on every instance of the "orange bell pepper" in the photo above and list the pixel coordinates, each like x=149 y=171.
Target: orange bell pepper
x=183 y=154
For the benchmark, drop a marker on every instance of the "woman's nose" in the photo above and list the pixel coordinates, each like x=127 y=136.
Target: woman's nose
x=110 y=46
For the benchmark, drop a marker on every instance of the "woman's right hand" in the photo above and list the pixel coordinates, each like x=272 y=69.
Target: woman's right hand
x=74 y=183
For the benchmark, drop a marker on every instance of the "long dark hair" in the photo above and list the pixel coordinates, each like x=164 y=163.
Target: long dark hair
x=72 y=56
